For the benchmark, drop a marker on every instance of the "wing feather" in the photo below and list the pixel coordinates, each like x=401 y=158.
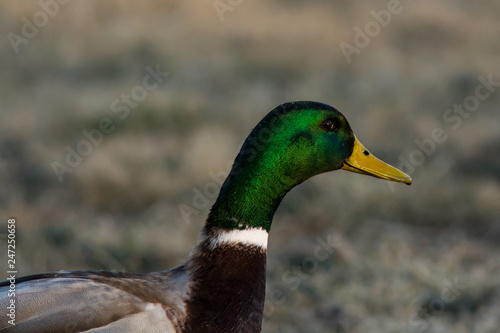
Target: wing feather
x=93 y=302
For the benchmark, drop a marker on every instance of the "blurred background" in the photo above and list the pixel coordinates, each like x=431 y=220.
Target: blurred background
x=119 y=118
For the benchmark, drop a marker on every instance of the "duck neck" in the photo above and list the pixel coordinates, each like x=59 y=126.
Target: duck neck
x=229 y=264
x=248 y=199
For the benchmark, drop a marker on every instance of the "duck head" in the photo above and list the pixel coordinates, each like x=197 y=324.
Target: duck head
x=301 y=139
x=292 y=143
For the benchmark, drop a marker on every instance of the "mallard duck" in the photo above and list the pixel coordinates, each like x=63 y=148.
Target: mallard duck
x=221 y=286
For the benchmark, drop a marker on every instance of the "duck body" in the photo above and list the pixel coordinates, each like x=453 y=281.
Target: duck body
x=221 y=287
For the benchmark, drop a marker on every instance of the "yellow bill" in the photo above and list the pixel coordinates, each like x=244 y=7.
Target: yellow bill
x=363 y=162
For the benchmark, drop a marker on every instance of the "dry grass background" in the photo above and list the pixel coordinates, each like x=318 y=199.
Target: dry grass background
x=397 y=248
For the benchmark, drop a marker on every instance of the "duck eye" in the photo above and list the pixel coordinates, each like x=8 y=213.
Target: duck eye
x=328 y=125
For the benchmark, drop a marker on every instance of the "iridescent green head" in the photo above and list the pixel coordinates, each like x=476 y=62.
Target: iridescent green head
x=292 y=143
